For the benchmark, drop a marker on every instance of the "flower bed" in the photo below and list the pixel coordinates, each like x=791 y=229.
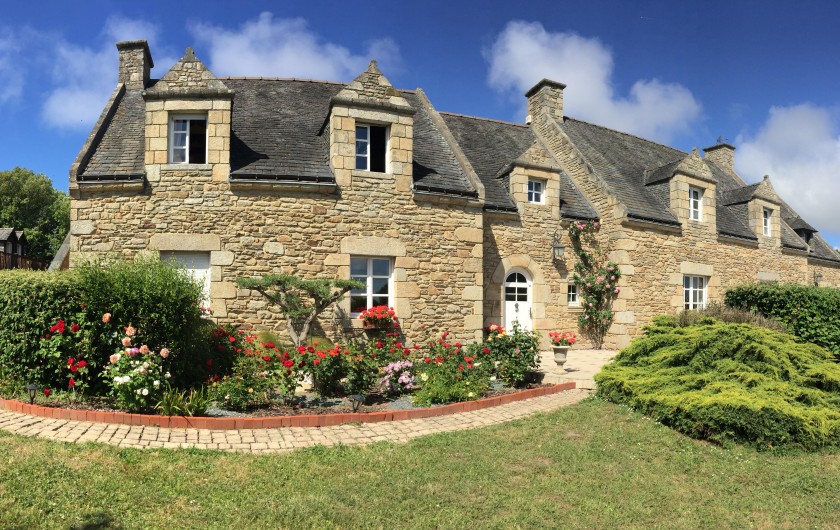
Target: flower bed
x=308 y=420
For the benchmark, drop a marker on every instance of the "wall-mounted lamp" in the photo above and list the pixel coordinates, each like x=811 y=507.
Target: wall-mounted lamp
x=817 y=278
x=557 y=249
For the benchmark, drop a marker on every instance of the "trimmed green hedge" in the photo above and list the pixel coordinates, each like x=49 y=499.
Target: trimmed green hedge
x=29 y=303
x=159 y=300
x=810 y=313
x=730 y=383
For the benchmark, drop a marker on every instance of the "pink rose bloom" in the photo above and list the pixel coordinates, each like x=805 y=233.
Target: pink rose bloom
x=106 y=317
x=600 y=278
x=126 y=341
x=114 y=358
x=145 y=349
x=130 y=331
x=608 y=286
x=164 y=353
x=128 y=351
x=135 y=351
x=617 y=290
x=612 y=277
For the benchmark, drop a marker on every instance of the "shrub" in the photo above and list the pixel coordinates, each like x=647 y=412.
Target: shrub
x=515 y=354
x=136 y=375
x=810 y=313
x=327 y=368
x=30 y=303
x=154 y=296
x=730 y=383
x=448 y=374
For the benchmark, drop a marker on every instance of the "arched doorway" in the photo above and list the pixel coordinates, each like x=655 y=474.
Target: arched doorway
x=518 y=298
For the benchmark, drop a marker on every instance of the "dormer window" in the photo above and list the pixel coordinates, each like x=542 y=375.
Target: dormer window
x=766 y=216
x=536 y=191
x=188 y=140
x=695 y=204
x=371 y=146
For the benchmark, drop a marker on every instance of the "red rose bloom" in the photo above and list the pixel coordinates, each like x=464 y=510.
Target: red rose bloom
x=74 y=368
x=266 y=358
x=47 y=392
x=75 y=328
x=288 y=363
x=232 y=338
x=71 y=383
x=81 y=364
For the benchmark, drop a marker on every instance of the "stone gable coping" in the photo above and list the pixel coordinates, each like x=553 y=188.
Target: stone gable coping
x=339 y=100
x=188 y=75
x=372 y=86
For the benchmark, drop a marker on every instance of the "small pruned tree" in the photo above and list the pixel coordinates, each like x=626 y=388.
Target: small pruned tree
x=597 y=280
x=300 y=301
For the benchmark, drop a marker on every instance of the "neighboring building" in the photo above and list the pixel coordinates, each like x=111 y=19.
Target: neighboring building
x=448 y=218
x=12 y=249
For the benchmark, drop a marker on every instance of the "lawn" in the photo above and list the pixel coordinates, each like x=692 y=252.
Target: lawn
x=592 y=465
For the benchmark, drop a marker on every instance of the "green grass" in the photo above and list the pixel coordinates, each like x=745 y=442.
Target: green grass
x=592 y=465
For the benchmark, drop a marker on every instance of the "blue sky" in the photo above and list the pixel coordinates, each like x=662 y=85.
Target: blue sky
x=763 y=75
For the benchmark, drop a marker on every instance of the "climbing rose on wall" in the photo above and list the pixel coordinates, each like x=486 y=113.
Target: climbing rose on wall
x=596 y=278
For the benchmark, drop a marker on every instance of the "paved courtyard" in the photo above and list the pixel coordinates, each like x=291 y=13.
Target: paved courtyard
x=580 y=367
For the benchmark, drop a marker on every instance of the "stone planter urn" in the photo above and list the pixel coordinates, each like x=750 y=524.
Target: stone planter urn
x=560 y=353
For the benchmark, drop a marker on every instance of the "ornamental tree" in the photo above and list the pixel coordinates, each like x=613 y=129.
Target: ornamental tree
x=300 y=301
x=596 y=278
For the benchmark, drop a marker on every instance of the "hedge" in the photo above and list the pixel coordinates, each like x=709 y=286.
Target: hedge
x=810 y=313
x=730 y=383
x=29 y=303
x=159 y=300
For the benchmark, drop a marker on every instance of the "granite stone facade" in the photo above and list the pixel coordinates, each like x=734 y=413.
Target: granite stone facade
x=279 y=191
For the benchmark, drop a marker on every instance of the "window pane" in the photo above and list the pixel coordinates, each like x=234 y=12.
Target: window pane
x=361 y=162
x=198 y=142
x=380 y=300
x=358 y=304
x=358 y=267
x=180 y=126
x=510 y=294
x=361 y=148
x=361 y=133
x=179 y=139
x=377 y=149
x=380 y=285
x=179 y=156
x=381 y=267
x=359 y=279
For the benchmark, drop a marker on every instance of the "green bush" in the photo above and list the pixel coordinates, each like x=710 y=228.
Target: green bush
x=158 y=299
x=717 y=311
x=515 y=354
x=810 y=313
x=730 y=383
x=30 y=303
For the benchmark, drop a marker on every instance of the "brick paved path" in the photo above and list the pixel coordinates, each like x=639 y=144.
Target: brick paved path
x=273 y=440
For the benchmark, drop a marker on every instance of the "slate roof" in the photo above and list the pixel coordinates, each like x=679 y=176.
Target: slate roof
x=6 y=233
x=119 y=153
x=490 y=146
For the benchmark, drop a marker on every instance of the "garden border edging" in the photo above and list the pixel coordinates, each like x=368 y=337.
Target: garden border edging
x=273 y=422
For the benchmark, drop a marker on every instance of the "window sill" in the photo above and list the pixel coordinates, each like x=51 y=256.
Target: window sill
x=187 y=167
x=372 y=174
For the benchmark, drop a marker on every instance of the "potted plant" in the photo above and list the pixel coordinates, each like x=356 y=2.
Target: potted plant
x=560 y=343
x=379 y=317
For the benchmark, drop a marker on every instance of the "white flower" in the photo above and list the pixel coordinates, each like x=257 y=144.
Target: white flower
x=492 y=377
x=166 y=375
x=137 y=391
x=145 y=392
x=156 y=383
x=145 y=365
x=470 y=394
x=424 y=376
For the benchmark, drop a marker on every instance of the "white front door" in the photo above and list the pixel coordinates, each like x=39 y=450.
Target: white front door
x=517 y=294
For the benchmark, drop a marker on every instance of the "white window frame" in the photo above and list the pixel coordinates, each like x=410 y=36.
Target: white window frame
x=536 y=191
x=695 y=204
x=572 y=295
x=766 y=216
x=367 y=141
x=369 y=282
x=188 y=117
x=695 y=285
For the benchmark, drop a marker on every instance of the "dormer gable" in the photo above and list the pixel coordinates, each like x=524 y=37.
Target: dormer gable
x=763 y=206
x=371 y=132
x=188 y=121
x=533 y=180
x=692 y=190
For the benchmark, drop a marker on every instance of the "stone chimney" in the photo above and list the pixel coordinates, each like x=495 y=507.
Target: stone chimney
x=545 y=98
x=722 y=154
x=135 y=63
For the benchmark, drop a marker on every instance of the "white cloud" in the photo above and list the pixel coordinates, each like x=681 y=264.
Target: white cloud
x=268 y=46
x=85 y=77
x=11 y=72
x=799 y=147
x=524 y=53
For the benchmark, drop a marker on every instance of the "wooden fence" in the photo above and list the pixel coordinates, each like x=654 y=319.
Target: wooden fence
x=13 y=261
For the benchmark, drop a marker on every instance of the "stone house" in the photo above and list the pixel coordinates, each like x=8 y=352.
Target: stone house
x=450 y=219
